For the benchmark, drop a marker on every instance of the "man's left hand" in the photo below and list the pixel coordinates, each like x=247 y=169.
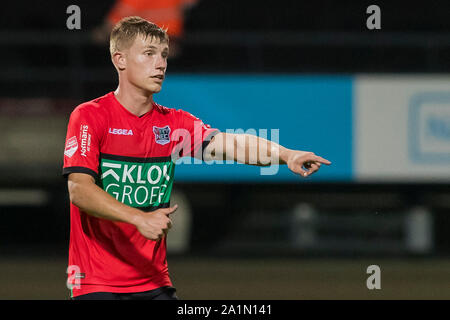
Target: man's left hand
x=304 y=163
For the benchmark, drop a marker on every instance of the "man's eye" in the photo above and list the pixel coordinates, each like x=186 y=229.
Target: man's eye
x=149 y=53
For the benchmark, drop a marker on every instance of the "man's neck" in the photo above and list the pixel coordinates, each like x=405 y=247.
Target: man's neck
x=134 y=100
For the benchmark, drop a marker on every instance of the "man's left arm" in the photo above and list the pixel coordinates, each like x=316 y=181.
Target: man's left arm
x=253 y=150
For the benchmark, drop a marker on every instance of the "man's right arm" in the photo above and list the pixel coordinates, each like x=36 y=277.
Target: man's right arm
x=90 y=198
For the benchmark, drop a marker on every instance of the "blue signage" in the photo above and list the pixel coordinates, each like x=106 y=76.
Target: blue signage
x=312 y=113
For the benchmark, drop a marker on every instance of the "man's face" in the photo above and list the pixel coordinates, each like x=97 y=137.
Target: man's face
x=146 y=63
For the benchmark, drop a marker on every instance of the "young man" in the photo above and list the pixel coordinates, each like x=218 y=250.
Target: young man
x=118 y=161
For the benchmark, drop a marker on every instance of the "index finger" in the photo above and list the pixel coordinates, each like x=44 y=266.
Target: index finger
x=321 y=160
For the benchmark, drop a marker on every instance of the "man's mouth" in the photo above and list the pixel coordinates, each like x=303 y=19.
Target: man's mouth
x=159 y=76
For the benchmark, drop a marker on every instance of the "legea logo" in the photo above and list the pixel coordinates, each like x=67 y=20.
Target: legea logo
x=124 y=132
x=429 y=127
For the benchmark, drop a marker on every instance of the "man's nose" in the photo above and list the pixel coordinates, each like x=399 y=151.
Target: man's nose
x=161 y=64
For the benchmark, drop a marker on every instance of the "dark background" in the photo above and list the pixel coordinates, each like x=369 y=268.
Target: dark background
x=43 y=60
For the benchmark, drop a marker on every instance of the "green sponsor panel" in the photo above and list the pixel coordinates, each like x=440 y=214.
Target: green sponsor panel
x=137 y=184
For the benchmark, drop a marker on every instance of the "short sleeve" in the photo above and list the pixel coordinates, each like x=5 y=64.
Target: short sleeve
x=82 y=147
x=199 y=132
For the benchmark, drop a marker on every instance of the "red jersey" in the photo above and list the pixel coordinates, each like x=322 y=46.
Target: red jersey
x=131 y=158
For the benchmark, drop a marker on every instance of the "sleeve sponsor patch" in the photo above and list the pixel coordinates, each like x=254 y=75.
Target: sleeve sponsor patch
x=85 y=138
x=71 y=146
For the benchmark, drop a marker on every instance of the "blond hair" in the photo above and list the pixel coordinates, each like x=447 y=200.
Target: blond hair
x=126 y=30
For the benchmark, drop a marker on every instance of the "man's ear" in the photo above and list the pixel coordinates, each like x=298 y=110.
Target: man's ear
x=119 y=60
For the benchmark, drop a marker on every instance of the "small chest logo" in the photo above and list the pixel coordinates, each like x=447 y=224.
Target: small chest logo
x=162 y=135
x=123 y=132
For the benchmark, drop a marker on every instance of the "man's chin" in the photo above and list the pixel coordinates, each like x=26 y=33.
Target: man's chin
x=152 y=89
x=155 y=88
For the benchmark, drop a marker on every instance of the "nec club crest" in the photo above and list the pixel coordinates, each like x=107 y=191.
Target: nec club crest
x=162 y=135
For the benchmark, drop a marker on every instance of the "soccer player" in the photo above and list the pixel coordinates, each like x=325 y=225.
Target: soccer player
x=118 y=160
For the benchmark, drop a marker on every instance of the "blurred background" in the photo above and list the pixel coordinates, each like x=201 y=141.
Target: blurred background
x=374 y=102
